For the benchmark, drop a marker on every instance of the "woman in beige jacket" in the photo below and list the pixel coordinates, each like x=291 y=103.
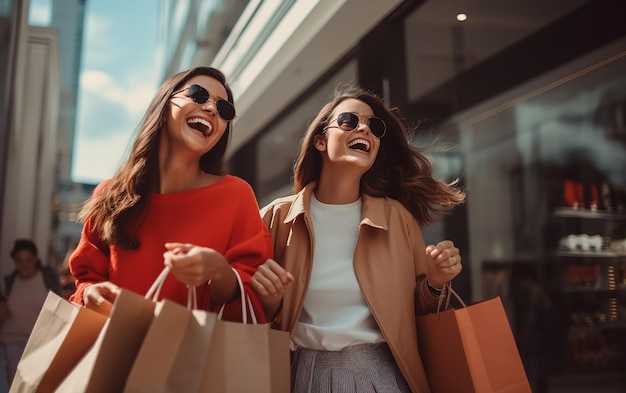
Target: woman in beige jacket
x=351 y=271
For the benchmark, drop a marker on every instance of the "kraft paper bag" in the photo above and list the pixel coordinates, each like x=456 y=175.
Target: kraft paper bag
x=471 y=350
x=173 y=351
x=245 y=358
x=62 y=334
x=106 y=365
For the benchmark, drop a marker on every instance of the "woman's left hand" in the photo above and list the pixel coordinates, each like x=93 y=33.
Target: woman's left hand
x=444 y=263
x=195 y=265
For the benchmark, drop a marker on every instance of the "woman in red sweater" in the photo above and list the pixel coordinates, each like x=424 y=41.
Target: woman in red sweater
x=171 y=202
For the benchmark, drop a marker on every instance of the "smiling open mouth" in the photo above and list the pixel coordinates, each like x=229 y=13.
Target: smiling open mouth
x=359 y=144
x=201 y=125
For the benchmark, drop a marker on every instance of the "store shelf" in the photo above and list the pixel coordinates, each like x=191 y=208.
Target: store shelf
x=567 y=212
x=590 y=254
x=590 y=286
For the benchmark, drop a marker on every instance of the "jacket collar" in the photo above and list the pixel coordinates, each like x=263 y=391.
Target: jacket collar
x=372 y=214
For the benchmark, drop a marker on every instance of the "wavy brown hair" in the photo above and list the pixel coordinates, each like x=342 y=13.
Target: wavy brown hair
x=400 y=171
x=114 y=210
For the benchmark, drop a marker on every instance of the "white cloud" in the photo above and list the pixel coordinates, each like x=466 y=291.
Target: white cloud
x=134 y=96
x=139 y=96
x=118 y=79
x=100 y=82
x=110 y=111
x=99 y=159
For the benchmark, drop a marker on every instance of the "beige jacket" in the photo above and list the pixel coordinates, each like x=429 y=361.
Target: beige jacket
x=389 y=262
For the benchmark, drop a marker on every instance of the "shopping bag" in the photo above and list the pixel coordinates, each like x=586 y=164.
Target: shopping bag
x=245 y=358
x=62 y=334
x=471 y=349
x=176 y=344
x=106 y=365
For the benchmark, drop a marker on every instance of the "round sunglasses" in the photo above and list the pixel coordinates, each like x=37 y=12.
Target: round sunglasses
x=348 y=121
x=200 y=95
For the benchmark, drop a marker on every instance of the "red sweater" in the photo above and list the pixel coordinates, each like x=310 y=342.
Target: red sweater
x=223 y=216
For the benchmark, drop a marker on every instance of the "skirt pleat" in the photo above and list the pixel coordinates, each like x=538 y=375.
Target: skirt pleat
x=366 y=368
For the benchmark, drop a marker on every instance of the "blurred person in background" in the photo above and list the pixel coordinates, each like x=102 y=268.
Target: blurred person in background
x=351 y=268
x=26 y=289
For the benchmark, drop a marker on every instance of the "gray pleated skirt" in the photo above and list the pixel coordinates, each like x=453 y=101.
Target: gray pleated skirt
x=367 y=368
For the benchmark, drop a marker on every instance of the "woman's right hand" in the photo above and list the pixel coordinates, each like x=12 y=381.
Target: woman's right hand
x=269 y=282
x=100 y=296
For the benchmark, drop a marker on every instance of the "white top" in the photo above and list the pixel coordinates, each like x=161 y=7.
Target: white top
x=335 y=314
x=25 y=302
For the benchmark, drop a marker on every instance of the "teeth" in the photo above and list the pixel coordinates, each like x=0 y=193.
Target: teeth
x=363 y=141
x=199 y=120
x=202 y=121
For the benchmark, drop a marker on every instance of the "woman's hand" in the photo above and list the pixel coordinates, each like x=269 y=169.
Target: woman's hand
x=444 y=263
x=194 y=265
x=100 y=296
x=269 y=282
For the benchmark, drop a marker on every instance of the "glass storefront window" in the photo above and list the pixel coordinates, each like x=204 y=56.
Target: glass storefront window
x=545 y=167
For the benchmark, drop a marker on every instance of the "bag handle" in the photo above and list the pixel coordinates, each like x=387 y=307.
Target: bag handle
x=192 y=300
x=155 y=290
x=446 y=293
x=245 y=301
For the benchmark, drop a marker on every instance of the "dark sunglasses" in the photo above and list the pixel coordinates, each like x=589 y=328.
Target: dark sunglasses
x=348 y=121
x=200 y=95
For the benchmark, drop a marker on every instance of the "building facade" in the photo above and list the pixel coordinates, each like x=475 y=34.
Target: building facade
x=28 y=133
x=67 y=19
x=525 y=102
x=40 y=66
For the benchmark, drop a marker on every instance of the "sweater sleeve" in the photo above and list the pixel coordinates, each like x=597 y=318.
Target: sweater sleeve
x=250 y=246
x=90 y=262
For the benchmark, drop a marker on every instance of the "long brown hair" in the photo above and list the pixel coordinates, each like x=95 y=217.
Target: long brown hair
x=119 y=204
x=400 y=171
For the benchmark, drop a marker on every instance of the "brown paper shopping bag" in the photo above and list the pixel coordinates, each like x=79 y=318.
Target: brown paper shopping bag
x=61 y=335
x=173 y=351
x=106 y=365
x=471 y=350
x=245 y=358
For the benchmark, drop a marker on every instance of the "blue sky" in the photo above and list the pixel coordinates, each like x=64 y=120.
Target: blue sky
x=119 y=77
